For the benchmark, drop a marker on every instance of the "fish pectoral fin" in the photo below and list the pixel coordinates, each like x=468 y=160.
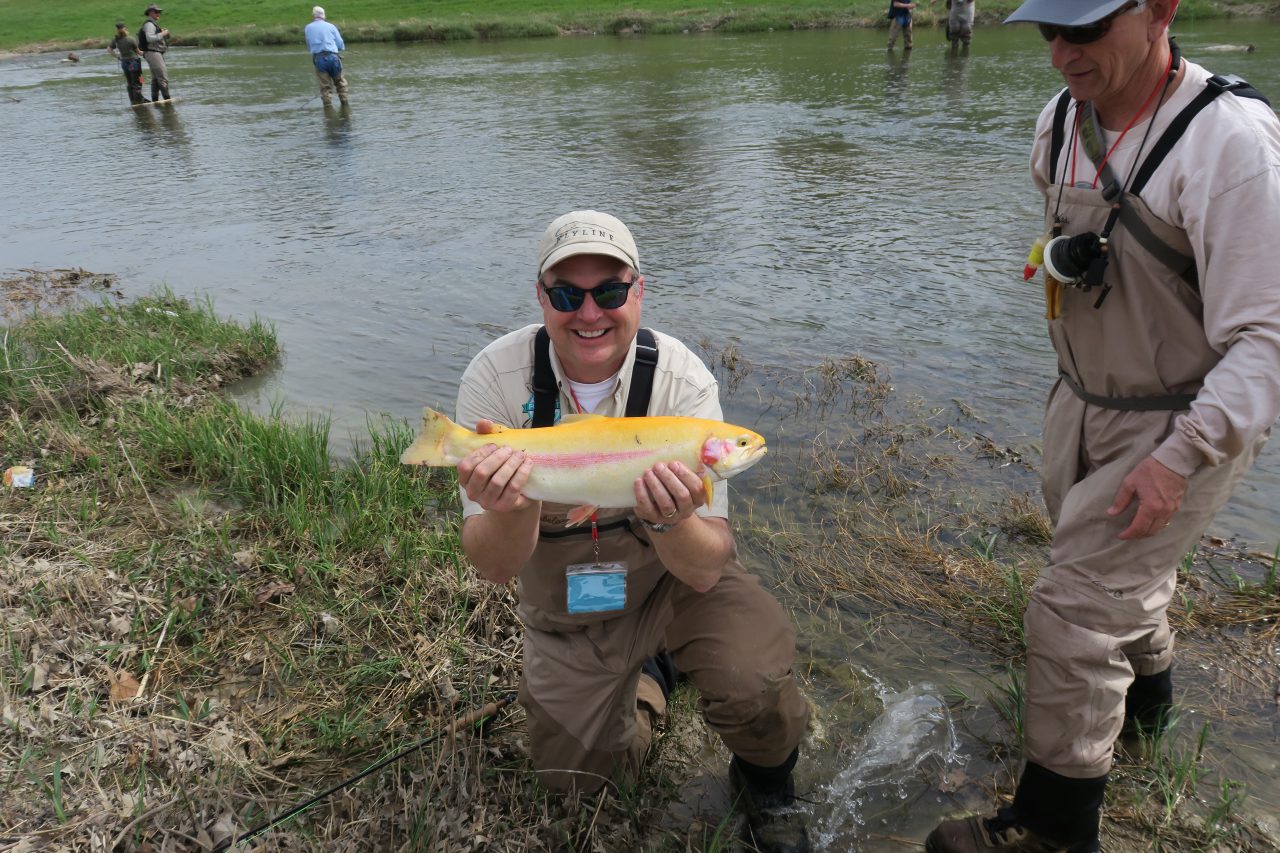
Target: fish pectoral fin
x=710 y=490
x=579 y=514
x=580 y=417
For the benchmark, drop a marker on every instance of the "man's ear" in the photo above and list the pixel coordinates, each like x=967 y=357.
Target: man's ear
x=638 y=287
x=1162 y=12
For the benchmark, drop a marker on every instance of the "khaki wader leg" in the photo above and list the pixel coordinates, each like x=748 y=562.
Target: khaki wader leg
x=1097 y=615
x=326 y=87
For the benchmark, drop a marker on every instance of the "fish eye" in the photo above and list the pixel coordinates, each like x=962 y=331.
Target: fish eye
x=742 y=442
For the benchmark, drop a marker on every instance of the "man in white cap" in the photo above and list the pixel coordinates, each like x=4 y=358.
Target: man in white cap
x=153 y=39
x=1162 y=190
x=597 y=672
x=325 y=43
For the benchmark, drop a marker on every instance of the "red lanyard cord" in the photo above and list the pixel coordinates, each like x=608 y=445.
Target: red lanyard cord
x=1075 y=131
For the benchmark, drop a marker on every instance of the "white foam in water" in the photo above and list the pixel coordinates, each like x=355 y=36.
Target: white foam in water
x=914 y=727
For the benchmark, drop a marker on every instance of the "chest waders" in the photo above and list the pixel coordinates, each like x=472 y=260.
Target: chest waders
x=1147 y=353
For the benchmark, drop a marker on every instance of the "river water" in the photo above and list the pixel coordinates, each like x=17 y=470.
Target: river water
x=798 y=196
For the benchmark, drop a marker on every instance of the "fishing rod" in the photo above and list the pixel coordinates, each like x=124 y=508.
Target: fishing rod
x=476 y=718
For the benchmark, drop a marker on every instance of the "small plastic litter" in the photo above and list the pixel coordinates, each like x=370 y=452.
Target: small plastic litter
x=19 y=477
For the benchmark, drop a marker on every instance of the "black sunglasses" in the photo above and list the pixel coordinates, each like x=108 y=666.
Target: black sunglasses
x=1087 y=34
x=607 y=294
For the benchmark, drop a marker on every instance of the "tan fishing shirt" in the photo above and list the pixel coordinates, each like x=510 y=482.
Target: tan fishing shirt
x=1221 y=186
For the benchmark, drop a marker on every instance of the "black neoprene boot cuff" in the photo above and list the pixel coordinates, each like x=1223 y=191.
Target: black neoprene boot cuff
x=1059 y=808
x=1149 y=700
x=767 y=779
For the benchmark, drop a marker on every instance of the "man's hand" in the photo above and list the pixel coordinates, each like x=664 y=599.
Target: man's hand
x=495 y=477
x=668 y=493
x=1159 y=492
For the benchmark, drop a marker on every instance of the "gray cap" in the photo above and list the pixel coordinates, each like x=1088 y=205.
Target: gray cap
x=1065 y=13
x=586 y=232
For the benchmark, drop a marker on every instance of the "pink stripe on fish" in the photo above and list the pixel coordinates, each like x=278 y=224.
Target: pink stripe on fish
x=586 y=459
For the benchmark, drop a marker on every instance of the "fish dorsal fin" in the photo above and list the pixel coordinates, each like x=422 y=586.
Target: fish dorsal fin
x=580 y=418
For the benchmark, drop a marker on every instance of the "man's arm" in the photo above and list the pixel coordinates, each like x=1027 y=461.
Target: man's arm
x=500 y=540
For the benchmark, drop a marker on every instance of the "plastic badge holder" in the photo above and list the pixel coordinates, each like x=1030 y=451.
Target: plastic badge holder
x=596 y=587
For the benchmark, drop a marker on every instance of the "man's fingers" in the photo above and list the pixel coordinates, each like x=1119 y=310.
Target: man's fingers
x=1123 y=498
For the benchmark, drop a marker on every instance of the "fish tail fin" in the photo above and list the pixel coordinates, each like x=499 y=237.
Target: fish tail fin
x=435 y=444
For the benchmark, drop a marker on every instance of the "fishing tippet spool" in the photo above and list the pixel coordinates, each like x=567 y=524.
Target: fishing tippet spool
x=1070 y=259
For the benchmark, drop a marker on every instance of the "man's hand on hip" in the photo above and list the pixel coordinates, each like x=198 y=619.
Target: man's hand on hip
x=1159 y=493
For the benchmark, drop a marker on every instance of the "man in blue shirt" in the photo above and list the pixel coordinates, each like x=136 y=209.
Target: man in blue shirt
x=900 y=22
x=325 y=43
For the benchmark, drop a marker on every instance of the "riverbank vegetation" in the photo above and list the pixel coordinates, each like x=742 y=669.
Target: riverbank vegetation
x=204 y=619
x=30 y=25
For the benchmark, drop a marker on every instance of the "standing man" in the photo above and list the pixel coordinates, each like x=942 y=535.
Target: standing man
x=325 y=43
x=154 y=42
x=125 y=48
x=900 y=22
x=1168 y=341
x=596 y=675
x=960 y=23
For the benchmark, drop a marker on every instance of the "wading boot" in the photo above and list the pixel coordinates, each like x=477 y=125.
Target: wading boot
x=774 y=824
x=1050 y=814
x=1000 y=831
x=1148 y=705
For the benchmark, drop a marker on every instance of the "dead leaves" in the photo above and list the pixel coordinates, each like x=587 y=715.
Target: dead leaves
x=272 y=592
x=122 y=686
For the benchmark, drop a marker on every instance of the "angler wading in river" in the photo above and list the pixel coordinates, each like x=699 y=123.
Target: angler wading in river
x=614 y=608
x=1162 y=192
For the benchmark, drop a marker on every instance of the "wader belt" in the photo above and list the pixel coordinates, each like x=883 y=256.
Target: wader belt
x=1091 y=139
x=1165 y=403
x=620 y=523
x=546 y=391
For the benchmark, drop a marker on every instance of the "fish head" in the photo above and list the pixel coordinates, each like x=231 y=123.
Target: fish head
x=732 y=450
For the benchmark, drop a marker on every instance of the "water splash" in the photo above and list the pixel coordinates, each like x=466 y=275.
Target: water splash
x=911 y=739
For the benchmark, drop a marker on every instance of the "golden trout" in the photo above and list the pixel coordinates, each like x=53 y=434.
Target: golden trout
x=591 y=461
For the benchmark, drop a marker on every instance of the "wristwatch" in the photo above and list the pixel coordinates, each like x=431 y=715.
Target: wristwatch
x=656 y=528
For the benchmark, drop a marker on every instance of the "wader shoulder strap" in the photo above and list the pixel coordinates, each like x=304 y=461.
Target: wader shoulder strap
x=1162 y=403
x=642 y=374
x=1216 y=85
x=546 y=391
x=1059 y=133
x=1183 y=266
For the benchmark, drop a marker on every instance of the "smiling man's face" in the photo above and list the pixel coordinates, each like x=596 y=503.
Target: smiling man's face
x=592 y=342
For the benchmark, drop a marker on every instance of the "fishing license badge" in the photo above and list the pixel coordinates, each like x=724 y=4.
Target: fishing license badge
x=596 y=587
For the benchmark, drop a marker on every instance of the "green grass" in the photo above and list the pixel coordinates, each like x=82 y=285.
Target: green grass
x=88 y=23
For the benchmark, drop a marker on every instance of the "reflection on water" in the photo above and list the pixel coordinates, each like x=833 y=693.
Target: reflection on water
x=797 y=196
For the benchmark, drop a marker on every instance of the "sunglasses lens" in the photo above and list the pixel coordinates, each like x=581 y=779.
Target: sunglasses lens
x=611 y=295
x=565 y=298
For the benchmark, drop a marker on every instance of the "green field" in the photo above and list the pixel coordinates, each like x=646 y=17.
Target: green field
x=36 y=25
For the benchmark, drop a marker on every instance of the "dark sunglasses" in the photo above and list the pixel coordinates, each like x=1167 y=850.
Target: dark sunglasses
x=607 y=294
x=1087 y=34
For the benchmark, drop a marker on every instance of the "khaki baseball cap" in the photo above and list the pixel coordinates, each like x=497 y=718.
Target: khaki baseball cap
x=586 y=232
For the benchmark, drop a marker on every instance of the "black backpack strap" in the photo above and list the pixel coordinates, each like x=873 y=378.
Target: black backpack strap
x=642 y=374
x=1059 y=133
x=545 y=388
